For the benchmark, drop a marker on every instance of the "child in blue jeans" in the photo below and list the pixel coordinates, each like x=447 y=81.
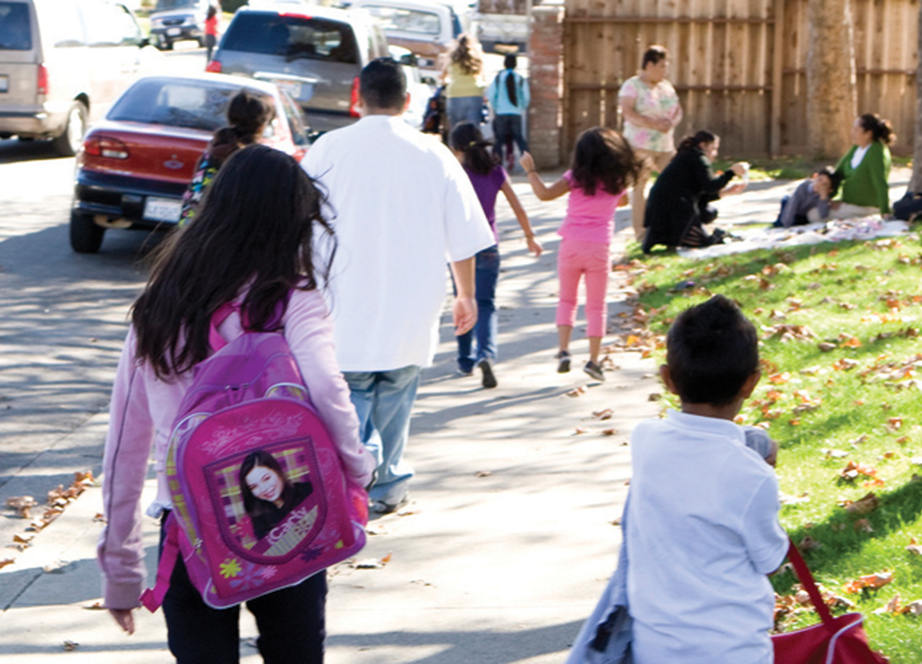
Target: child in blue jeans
x=488 y=178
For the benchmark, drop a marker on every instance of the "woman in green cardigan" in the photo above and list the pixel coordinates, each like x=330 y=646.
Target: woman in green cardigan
x=865 y=168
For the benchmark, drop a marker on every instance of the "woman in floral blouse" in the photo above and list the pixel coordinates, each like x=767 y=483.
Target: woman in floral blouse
x=651 y=110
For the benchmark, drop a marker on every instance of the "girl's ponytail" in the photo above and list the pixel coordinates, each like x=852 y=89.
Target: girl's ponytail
x=690 y=142
x=467 y=139
x=509 y=64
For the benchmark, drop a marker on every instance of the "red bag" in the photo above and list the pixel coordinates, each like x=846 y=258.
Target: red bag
x=839 y=640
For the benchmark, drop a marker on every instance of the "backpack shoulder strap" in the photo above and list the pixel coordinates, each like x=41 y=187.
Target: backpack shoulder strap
x=215 y=340
x=152 y=598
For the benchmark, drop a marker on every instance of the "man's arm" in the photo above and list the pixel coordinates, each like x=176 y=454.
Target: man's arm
x=464 y=309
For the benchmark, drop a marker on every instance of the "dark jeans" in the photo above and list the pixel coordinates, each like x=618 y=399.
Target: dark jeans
x=799 y=219
x=506 y=129
x=486 y=275
x=291 y=623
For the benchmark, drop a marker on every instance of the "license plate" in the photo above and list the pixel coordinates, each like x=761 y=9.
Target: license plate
x=4 y=83
x=172 y=32
x=162 y=209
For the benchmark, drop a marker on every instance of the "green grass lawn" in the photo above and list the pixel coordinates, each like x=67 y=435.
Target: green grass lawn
x=842 y=370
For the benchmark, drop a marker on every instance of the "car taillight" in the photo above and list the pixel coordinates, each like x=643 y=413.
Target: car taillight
x=214 y=67
x=101 y=146
x=354 y=99
x=41 y=81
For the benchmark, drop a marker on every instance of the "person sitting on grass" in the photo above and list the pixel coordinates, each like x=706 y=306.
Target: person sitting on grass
x=809 y=204
x=702 y=527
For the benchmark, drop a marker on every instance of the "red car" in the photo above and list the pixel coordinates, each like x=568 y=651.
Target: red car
x=135 y=165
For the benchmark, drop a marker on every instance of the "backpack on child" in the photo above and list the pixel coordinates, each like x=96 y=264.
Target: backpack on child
x=247 y=413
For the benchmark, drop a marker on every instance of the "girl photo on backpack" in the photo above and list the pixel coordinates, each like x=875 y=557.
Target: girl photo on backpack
x=229 y=375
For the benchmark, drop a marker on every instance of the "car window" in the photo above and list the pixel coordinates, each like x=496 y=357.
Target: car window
x=167 y=5
x=406 y=20
x=174 y=103
x=294 y=37
x=110 y=25
x=15 y=27
x=63 y=27
x=293 y=116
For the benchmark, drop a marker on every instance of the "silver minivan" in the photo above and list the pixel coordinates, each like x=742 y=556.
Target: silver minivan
x=316 y=54
x=62 y=64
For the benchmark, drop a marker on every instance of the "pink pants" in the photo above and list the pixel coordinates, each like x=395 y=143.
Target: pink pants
x=574 y=260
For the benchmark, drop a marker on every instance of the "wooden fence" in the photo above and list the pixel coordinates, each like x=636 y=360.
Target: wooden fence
x=737 y=65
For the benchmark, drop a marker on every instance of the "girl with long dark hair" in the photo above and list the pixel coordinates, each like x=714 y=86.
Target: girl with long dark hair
x=509 y=96
x=251 y=245
x=603 y=167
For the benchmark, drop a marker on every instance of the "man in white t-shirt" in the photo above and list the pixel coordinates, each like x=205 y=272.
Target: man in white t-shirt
x=702 y=521
x=401 y=207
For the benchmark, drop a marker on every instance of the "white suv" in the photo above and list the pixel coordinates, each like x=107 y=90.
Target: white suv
x=62 y=64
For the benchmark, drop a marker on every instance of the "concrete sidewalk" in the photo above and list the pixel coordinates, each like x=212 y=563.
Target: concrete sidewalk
x=507 y=541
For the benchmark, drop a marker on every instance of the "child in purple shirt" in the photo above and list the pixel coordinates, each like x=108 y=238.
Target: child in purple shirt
x=488 y=178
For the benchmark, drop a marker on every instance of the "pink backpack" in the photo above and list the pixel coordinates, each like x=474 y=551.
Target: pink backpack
x=260 y=497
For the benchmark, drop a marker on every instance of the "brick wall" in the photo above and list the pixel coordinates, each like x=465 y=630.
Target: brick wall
x=545 y=113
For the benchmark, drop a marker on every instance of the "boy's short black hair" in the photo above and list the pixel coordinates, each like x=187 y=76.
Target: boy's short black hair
x=383 y=84
x=835 y=179
x=711 y=350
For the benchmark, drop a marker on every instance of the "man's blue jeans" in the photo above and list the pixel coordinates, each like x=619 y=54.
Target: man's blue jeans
x=383 y=401
x=486 y=274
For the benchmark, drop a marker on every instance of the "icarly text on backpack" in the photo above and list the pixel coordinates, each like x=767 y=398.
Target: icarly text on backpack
x=260 y=497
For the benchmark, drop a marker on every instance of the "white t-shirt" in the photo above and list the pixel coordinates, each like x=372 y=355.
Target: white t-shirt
x=703 y=533
x=859 y=155
x=402 y=208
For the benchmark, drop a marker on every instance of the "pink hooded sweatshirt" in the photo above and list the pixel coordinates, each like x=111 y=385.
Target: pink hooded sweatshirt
x=141 y=416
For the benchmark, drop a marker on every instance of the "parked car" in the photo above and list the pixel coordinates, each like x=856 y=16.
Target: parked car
x=136 y=164
x=62 y=64
x=426 y=27
x=316 y=54
x=176 y=20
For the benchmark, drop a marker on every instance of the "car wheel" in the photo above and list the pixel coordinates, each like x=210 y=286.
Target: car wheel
x=71 y=138
x=85 y=235
x=167 y=45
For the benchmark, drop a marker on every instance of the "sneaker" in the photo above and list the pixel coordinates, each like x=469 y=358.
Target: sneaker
x=381 y=507
x=461 y=372
x=564 y=365
x=489 y=379
x=594 y=370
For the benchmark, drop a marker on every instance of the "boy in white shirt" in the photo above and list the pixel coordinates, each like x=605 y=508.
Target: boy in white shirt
x=702 y=527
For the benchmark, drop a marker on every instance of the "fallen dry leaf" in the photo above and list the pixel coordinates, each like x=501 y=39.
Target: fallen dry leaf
x=825 y=346
x=603 y=414
x=862 y=506
x=872 y=581
x=70 y=646
x=579 y=430
x=609 y=432
x=914 y=549
x=863 y=525
x=6 y=561
x=577 y=391
x=482 y=473
x=893 y=606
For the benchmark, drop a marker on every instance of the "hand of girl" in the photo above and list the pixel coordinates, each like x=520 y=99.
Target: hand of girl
x=527 y=162
x=534 y=246
x=740 y=168
x=124 y=618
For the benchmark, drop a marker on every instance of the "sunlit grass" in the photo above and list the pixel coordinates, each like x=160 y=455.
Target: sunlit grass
x=856 y=400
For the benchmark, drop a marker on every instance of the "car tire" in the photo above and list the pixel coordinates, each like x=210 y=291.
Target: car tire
x=85 y=235
x=71 y=138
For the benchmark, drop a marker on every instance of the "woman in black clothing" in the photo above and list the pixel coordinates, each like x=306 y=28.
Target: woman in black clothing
x=677 y=207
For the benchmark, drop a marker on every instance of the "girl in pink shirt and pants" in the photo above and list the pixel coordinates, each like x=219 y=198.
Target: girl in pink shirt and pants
x=603 y=167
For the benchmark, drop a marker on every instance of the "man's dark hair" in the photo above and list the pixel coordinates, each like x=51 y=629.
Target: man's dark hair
x=383 y=84
x=711 y=350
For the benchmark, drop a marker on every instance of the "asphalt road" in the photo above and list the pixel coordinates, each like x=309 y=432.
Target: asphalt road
x=62 y=317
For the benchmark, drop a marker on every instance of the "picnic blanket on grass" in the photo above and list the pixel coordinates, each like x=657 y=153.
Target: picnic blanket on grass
x=863 y=228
